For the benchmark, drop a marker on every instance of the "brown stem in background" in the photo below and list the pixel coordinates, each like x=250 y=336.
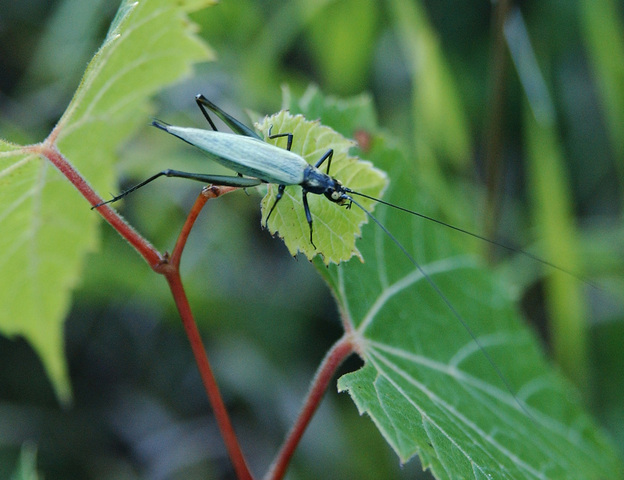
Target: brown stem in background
x=494 y=126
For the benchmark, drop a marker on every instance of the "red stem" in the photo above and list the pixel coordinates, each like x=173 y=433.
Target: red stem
x=211 y=191
x=341 y=350
x=170 y=269
x=140 y=244
x=210 y=383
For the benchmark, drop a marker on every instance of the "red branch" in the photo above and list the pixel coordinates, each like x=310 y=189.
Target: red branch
x=207 y=193
x=341 y=350
x=208 y=378
x=152 y=256
x=170 y=268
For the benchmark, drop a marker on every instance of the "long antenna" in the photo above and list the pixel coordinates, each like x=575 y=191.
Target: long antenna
x=448 y=303
x=480 y=237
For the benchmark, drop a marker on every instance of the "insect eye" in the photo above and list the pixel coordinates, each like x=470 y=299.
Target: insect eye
x=335 y=196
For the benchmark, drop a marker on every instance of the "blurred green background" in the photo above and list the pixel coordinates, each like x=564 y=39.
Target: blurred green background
x=440 y=71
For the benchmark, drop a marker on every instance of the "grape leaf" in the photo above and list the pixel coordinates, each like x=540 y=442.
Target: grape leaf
x=427 y=385
x=335 y=229
x=47 y=227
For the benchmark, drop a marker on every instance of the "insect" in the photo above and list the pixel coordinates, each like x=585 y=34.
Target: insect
x=257 y=162
x=248 y=154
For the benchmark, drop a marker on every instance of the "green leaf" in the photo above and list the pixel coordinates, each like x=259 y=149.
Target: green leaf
x=344 y=64
x=427 y=385
x=335 y=229
x=47 y=227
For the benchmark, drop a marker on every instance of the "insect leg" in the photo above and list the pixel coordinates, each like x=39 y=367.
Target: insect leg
x=306 y=209
x=280 y=192
x=200 y=104
x=229 y=120
x=278 y=135
x=328 y=156
x=223 y=180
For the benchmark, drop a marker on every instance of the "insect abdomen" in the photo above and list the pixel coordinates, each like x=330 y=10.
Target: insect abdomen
x=246 y=155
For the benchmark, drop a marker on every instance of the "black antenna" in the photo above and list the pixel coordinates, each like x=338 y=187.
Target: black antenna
x=480 y=237
x=445 y=299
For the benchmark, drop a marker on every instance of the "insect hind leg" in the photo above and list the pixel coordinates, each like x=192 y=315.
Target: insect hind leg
x=237 y=127
x=224 y=180
x=201 y=101
x=329 y=154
